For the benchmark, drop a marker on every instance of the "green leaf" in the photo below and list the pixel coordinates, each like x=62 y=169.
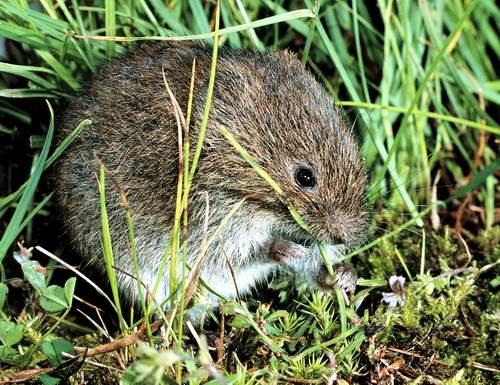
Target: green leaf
x=47 y=379
x=240 y=322
x=53 y=299
x=32 y=271
x=69 y=289
x=53 y=350
x=3 y=294
x=276 y=315
x=495 y=282
x=10 y=333
x=7 y=354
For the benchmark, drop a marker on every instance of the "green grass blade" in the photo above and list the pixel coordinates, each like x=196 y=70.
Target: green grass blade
x=169 y=19
x=58 y=68
x=285 y=17
x=477 y=180
x=200 y=18
x=428 y=114
x=367 y=120
x=248 y=158
x=55 y=155
x=28 y=72
x=424 y=84
x=13 y=228
x=110 y=22
x=107 y=250
x=251 y=33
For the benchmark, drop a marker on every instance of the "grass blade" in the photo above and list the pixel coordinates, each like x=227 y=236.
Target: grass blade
x=13 y=228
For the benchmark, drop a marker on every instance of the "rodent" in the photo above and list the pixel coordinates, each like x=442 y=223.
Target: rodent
x=275 y=109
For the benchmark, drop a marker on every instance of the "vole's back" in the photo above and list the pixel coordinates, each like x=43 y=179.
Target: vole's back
x=133 y=133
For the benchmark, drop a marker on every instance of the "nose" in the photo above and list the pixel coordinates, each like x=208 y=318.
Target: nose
x=347 y=227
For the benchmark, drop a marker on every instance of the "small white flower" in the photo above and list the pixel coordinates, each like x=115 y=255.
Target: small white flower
x=397 y=297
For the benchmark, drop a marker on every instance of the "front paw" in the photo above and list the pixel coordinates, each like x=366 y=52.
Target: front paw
x=345 y=277
x=281 y=250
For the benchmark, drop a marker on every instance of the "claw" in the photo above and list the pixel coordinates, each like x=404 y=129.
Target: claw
x=345 y=278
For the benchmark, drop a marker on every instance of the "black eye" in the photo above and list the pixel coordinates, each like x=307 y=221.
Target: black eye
x=304 y=176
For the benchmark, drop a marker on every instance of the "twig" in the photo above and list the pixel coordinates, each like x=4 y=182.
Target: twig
x=231 y=270
x=333 y=378
x=94 y=363
x=220 y=344
x=466 y=247
x=435 y=220
x=489 y=368
x=25 y=375
x=407 y=353
x=196 y=270
x=121 y=342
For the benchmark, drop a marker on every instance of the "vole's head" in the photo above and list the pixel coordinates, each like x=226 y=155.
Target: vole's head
x=281 y=115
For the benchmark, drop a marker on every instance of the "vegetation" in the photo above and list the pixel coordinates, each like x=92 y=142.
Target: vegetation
x=420 y=82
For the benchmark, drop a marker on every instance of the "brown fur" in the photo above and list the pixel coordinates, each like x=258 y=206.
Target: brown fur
x=277 y=112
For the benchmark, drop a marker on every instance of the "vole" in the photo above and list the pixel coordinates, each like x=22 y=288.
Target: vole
x=274 y=108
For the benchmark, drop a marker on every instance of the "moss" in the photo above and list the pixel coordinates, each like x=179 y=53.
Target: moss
x=450 y=313
x=489 y=243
